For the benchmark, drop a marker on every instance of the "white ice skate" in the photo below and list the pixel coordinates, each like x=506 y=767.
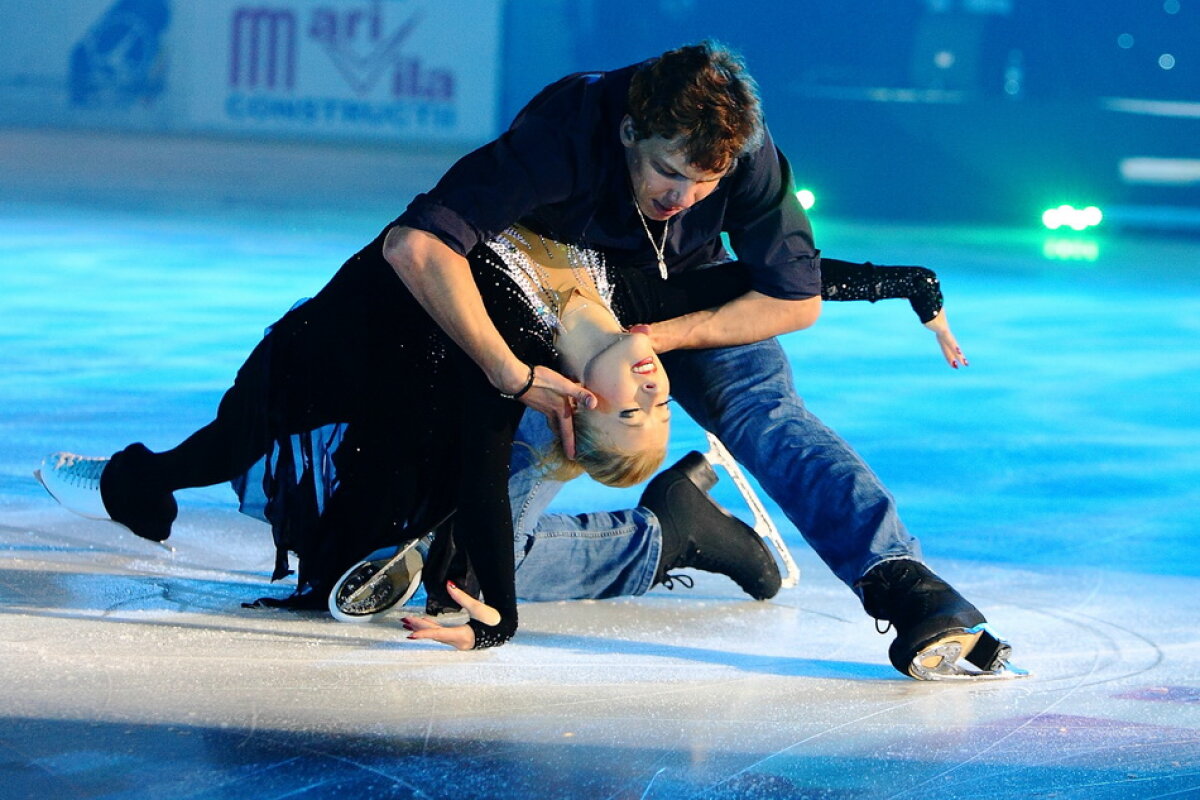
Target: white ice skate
x=717 y=455
x=74 y=481
x=968 y=654
x=383 y=580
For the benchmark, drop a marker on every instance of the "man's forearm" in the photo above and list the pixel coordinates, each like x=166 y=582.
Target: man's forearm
x=441 y=281
x=752 y=317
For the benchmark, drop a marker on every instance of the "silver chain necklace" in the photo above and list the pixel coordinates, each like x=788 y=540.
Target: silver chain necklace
x=660 y=250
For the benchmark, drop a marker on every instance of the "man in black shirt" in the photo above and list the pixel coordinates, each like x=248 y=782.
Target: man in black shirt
x=651 y=164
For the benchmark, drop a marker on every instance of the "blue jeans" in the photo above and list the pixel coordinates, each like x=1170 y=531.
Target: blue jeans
x=573 y=557
x=744 y=395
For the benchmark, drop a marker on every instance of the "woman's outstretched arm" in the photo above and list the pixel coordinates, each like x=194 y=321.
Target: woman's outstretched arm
x=843 y=280
x=648 y=299
x=482 y=523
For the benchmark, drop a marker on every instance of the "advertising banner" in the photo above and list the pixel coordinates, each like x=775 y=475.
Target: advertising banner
x=398 y=69
x=412 y=70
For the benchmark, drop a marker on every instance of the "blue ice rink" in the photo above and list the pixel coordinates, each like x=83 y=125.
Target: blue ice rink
x=1055 y=481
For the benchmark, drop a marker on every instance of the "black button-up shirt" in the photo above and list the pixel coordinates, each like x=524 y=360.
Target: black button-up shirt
x=560 y=170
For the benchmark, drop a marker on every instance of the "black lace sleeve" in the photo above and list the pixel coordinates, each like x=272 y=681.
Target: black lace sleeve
x=842 y=280
x=482 y=522
x=642 y=297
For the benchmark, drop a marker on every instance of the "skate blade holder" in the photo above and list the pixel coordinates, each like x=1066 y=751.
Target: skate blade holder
x=356 y=597
x=986 y=658
x=717 y=455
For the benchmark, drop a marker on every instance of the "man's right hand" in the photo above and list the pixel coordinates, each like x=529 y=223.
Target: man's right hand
x=557 y=396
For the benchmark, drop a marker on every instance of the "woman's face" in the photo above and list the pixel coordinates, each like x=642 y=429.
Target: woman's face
x=631 y=389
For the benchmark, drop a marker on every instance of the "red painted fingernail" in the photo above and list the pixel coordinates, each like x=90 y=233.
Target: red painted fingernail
x=452 y=584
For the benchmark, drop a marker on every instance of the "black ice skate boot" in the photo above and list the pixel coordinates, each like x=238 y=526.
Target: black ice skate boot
x=134 y=495
x=700 y=534
x=935 y=625
x=123 y=488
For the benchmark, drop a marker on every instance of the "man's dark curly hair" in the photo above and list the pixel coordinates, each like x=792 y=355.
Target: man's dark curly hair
x=703 y=94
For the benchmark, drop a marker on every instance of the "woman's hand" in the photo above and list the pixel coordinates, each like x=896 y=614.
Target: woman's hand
x=557 y=397
x=460 y=637
x=945 y=339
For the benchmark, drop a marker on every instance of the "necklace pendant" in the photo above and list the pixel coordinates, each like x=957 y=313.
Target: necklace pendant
x=662 y=268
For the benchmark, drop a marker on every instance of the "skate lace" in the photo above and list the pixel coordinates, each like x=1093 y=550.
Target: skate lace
x=82 y=471
x=878 y=583
x=686 y=581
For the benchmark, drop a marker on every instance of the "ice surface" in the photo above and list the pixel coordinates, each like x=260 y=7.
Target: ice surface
x=1054 y=481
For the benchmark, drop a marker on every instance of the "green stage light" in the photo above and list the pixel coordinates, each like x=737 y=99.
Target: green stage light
x=1067 y=216
x=807 y=199
x=1070 y=248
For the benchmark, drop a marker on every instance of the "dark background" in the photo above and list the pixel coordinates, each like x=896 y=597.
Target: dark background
x=989 y=110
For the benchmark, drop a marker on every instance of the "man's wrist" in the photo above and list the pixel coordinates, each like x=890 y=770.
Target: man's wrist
x=659 y=340
x=672 y=334
x=511 y=377
x=524 y=388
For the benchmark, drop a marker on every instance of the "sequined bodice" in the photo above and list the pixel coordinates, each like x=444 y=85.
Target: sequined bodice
x=545 y=288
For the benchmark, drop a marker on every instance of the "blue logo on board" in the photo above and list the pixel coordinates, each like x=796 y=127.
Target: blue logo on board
x=120 y=60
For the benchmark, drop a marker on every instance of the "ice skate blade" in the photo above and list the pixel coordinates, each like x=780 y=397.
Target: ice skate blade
x=383 y=580
x=969 y=654
x=763 y=525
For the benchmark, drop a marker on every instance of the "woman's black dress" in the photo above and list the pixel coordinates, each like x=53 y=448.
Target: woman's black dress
x=376 y=426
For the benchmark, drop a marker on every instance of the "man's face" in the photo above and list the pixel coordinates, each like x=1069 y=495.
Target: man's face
x=664 y=182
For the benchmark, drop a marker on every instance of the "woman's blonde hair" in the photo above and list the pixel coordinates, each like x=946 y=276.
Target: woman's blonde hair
x=596 y=455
